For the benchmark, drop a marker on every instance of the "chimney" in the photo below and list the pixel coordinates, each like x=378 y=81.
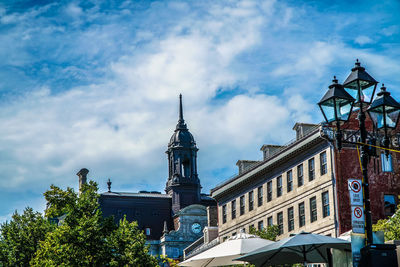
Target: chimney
x=82 y=174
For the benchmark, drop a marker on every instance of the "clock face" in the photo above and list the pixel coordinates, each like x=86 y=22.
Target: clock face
x=196 y=228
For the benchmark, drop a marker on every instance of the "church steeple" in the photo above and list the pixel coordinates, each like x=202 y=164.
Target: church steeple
x=183 y=183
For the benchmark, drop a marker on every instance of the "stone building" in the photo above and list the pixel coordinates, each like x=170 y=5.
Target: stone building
x=302 y=186
x=173 y=220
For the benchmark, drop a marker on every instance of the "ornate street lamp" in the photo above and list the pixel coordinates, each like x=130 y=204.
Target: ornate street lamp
x=384 y=112
x=336 y=106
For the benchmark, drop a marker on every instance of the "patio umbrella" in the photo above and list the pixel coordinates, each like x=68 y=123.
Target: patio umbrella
x=300 y=248
x=224 y=253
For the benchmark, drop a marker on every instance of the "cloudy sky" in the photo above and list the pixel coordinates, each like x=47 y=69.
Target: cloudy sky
x=95 y=84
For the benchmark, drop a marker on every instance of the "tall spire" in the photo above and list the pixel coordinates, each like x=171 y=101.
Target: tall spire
x=181 y=122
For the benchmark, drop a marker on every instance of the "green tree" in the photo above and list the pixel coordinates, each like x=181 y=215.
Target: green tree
x=390 y=226
x=19 y=238
x=270 y=232
x=85 y=238
x=127 y=246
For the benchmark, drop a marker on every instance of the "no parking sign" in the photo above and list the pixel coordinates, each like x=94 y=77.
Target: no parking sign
x=355 y=189
x=357 y=207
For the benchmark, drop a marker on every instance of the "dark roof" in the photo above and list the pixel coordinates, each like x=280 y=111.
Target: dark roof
x=127 y=194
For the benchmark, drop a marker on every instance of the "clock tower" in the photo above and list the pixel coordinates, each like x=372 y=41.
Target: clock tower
x=183 y=184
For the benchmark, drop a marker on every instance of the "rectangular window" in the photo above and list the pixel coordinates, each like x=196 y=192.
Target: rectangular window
x=233 y=209
x=325 y=204
x=313 y=209
x=300 y=180
x=224 y=214
x=311 y=170
x=260 y=225
x=280 y=223
x=279 y=186
x=386 y=163
x=289 y=179
x=290 y=214
x=322 y=160
x=241 y=205
x=251 y=200
x=270 y=221
x=260 y=195
x=302 y=215
x=147 y=231
x=390 y=204
x=269 y=191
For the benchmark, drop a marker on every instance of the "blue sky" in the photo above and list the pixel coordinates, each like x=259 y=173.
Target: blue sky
x=95 y=84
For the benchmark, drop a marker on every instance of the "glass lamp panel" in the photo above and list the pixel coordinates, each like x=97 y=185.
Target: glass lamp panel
x=377 y=117
x=352 y=91
x=343 y=109
x=392 y=115
x=367 y=94
x=328 y=108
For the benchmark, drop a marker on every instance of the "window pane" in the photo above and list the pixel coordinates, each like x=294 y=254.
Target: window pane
x=251 y=200
x=290 y=219
x=269 y=191
x=313 y=209
x=279 y=186
x=241 y=205
x=260 y=195
x=289 y=180
x=224 y=214
x=311 y=169
x=302 y=216
x=324 y=167
x=270 y=221
x=325 y=204
x=233 y=209
x=280 y=222
x=300 y=180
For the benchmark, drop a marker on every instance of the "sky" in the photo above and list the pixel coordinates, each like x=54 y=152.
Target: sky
x=95 y=84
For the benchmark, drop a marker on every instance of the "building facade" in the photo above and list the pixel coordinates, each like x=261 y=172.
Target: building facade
x=302 y=186
x=173 y=220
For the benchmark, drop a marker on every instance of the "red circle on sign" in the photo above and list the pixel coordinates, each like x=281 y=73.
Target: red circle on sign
x=358 y=212
x=356 y=188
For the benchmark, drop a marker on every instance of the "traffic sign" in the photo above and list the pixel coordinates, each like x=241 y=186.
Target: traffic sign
x=357 y=219
x=355 y=190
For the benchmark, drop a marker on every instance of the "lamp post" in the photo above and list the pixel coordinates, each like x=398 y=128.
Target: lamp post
x=337 y=104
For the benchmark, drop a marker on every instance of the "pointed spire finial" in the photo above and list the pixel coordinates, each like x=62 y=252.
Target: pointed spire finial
x=109 y=185
x=165 y=231
x=181 y=122
x=180 y=108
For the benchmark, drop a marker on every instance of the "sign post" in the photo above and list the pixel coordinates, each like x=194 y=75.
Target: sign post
x=357 y=219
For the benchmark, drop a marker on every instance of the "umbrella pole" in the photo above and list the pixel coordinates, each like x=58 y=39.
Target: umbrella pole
x=304 y=256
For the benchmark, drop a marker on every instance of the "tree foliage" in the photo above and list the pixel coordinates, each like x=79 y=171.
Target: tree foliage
x=270 y=232
x=85 y=238
x=20 y=237
x=390 y=226
x=81 y=238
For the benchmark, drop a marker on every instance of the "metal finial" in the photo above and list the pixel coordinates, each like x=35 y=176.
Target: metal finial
x=357 y=63
x=165 y=231
x=334 y=79
x=180 y=108
x=109 y=185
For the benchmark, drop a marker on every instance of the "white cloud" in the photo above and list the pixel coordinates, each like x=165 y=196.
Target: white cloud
x=362 y=40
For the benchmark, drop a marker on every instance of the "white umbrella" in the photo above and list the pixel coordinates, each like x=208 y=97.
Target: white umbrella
x=223 y=254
